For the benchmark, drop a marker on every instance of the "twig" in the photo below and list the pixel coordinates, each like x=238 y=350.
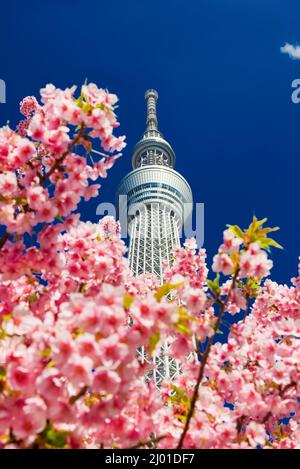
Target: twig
x=247 y=306
x=81 y=393
x=203 y=363
x=58 y=162
x=4 y=239
x=281 y=394
x=148 y=442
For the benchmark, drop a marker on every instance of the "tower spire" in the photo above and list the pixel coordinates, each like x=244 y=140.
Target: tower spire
x=151 y=97
x=152 y=149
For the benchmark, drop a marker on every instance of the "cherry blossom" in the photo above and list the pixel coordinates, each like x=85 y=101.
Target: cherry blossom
x=72 y=315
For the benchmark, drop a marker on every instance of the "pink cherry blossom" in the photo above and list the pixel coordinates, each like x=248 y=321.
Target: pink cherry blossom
x=222 y=263
x=72 y=314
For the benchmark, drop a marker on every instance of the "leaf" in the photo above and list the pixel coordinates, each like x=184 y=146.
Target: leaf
x=181 y=417
x=165 y=289
x=183 y=329
x=21 y=200
x=77 y=332
x=214 y=285
x=127 y=301
x=6 y=317
x=256 y=233
x=51 y=364
x=154 y=339
x=182 y=325
x=179 y=392
x=31 y=298
x=235 y=257
x=54 y=438
x=46 y=352
x=2 y=372
x=236 y=231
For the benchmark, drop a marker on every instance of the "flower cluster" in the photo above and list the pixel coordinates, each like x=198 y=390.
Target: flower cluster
x=42 y=178
x=72 y=315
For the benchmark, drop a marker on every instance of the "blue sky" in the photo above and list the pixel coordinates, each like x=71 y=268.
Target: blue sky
x=225 y=94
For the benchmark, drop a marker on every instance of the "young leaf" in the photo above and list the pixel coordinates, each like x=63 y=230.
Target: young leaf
x=127 y=301
x=236 y=231
x=154 y=339
x=165 y=289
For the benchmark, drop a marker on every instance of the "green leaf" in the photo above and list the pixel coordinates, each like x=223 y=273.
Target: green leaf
x=214 y=285
x=127 y=301
x=274 y=243
x=265 y=243
x=165 y=289
x=46 y=352
x=154 y=339
x=32 y=298
x=6 y=317
x=256 y=233
x=21 y=200
x=236 y=230
x=182 y=328
x=2 y=372
x=180 y=393
x=182 y=325
x=54 y=438
x=181 y=417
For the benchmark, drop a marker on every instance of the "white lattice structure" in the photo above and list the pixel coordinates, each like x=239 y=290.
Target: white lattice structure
x=158 y=201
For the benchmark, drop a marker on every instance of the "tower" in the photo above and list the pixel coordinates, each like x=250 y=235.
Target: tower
x=158 y=201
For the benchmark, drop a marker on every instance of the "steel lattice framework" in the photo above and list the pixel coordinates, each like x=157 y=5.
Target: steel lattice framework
x=158 y=201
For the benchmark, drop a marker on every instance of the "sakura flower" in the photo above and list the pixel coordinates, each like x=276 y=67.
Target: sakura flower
x=222 y=263
x=112 y=352
x=195 y=299
x=79 y=371
x=20 y=378
x=106 y=381
x=231 y=242
x=31 y=420
x=51 y=385
x=256 y=434
x=8 y=184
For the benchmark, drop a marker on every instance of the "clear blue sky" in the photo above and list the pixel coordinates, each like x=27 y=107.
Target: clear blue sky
x=224 y=90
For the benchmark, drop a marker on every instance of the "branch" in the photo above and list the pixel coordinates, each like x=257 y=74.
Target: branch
x=203 y=363
x=247 y=298
x=148 y=442
x=4 y=239
x=58 y=162
x=81 y=393
x=281 y=394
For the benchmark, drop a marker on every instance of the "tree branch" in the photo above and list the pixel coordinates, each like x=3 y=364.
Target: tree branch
x=140 y=444
x=58 y=162
x=4 y=239
x=203 y=363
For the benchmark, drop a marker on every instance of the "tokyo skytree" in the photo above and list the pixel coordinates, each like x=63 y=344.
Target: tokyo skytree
x=158 y=202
